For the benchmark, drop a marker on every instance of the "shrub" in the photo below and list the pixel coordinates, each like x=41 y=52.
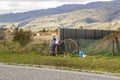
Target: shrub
x=22 y=36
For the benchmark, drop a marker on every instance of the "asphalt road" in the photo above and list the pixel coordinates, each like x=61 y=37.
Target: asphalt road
x=10 y=72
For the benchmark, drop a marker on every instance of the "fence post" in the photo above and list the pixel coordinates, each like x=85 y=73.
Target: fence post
x=63 y=34
x=94 y=34
x=85 y=34
x=102 y=34
x=75 y=33
x=59 y=33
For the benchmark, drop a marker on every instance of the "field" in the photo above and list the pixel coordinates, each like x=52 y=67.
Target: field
x=98 y=53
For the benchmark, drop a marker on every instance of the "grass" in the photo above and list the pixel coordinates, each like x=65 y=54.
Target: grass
x=34 y=54
x=96 y=62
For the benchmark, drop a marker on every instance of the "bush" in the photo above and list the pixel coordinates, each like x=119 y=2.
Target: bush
x=22 y=36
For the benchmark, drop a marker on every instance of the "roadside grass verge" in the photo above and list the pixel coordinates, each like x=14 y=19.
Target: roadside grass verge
x=97 y=62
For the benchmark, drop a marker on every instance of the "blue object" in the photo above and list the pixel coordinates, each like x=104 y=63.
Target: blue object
x=81 y=53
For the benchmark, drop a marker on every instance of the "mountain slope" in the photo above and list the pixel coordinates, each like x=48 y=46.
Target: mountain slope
x=97 y=18
x=17 y=17
x=96 y=15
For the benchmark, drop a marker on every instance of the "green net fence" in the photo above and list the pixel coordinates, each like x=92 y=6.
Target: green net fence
x=90 y=46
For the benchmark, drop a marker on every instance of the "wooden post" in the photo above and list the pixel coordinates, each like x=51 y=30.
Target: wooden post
x=59 y=33
x=117 y=44
x=113 y=51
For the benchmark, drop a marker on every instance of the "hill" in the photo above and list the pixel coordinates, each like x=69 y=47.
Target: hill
x=104 y=17
x=17 y=17
x=95 y=15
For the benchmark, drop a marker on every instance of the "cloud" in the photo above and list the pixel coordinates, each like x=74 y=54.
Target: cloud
x=14 y=6
x=59 y=0
x=20 y=6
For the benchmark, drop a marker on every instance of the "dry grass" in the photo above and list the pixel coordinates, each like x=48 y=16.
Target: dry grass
x=100 y=47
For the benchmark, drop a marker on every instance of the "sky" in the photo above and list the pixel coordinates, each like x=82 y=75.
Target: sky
x=15 y=6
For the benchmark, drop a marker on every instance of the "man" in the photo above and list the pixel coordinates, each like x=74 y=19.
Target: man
x=52 y=46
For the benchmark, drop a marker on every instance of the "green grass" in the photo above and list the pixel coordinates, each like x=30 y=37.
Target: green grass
x=96 y=62
x=11 y=52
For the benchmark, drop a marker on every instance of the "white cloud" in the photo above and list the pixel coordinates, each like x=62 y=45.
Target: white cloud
x=58 y=0
x=20 y=6
x=9 y=6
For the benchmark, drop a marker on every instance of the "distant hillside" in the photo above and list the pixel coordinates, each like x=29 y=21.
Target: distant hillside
x=17 y=17
x=104 y=17
x=95 y=15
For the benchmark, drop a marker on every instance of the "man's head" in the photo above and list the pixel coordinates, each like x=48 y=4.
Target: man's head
x=54 y=39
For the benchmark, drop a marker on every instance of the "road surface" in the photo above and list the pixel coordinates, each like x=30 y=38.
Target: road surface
x=10 y=72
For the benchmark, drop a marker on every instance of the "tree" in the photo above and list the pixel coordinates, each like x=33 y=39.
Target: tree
x=22 y=36
x=81 y=27
x=118 y=29
x=44 y=29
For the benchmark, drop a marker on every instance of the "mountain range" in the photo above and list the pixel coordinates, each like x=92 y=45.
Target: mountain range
x=95 y=15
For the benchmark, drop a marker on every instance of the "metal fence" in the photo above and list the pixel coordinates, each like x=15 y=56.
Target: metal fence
x=82 y=34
